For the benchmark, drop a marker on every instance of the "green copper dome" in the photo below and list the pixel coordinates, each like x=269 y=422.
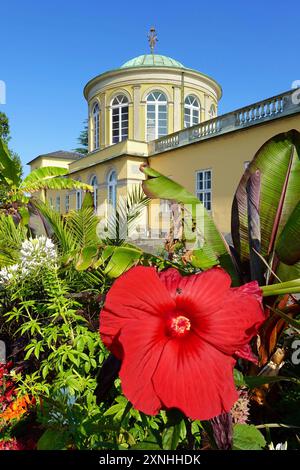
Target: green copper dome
x=152 y=60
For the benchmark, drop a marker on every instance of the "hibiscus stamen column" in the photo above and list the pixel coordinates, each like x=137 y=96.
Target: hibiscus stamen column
x=179 y=326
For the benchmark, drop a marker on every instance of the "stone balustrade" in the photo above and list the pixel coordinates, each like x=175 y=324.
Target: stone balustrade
x=265 y=110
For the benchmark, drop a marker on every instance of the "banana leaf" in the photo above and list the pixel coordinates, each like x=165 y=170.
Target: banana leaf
x=213 y=246
x=288 y=245
x=278 y=165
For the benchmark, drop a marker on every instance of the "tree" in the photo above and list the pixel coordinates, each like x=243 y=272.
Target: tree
x=5 y=136
x=83 y=140
x=15 y=192
x=4 y=128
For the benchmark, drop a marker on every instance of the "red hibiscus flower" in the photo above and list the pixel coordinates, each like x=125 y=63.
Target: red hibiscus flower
x=176 y=337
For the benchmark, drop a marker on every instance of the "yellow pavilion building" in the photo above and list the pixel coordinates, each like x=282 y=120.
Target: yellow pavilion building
x=155 y=110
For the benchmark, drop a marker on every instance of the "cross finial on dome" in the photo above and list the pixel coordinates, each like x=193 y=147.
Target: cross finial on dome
x=152 y=38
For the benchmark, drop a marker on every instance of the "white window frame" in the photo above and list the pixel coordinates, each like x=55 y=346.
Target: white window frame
x=192 y=107
x=78 y=196
x=94 y=183
x=112 y=189
x=67 y=203
x=57 y=203
x=96 y=126
x=213 y=114
x=204 y=190
x=156 y=103
x=119 y=106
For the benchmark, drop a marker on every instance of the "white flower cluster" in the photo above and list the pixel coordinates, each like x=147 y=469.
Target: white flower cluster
x=35 y=253
x=7 y=273
x=279 y=446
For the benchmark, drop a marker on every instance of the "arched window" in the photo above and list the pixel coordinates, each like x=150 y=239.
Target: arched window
x=94 y=183
x=78 y=196
x=119 y=118
x=78 y=199
x=67 y=203
x=96 y=127
x=157 y=120
x=191 y=111
x=57 y=203
x=112 y=189
x=212 y=111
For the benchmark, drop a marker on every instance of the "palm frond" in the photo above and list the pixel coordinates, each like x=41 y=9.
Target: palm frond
x=43 y=173
x=127 y=214
x=55 y=226
x=11 y=238
x=58 y=183
x=82 y=225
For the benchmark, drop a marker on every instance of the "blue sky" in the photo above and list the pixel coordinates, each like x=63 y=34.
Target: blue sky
x=50 y=49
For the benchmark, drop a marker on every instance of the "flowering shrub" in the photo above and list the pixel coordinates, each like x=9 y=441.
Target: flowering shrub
x=7 y=388
x=35 y=254
x=11 y=444
x=13 y=409
x=196 y=344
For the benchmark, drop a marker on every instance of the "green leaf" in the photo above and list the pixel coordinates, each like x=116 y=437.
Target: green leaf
x=253 y=381
x=107 y=252
x=25 y=216
x=9 y=170
x=86 y=257
x=57 y=183
x=278 y=164
x=152 y=442
x=247 y=437
x=88 y=201
x=43 y=173
x=209 y=240
x=238 y=378
x=259 y=380
x=203 y=260
x=82 y=225
x=122 y=259
x=289 y=320
x=288 y=245
x=53 y=439
x=288 y=273
x=171 y=436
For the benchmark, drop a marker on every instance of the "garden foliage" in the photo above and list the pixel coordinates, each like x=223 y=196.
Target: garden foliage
x=61 y=388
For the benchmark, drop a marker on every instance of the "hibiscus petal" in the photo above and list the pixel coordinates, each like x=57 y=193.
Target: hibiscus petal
x=195 y=378
x=143 y=346
x=236 y=321
x=198 y=293
x=171 y=278
x=246 y=352
x=134 y=296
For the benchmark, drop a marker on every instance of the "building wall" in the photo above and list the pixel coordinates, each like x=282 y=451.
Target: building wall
x=226 y=156
x=136 y=85
x=128 y=175
x=41 y=162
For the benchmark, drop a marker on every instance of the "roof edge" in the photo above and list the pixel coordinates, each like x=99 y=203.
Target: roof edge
x=126 y=69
